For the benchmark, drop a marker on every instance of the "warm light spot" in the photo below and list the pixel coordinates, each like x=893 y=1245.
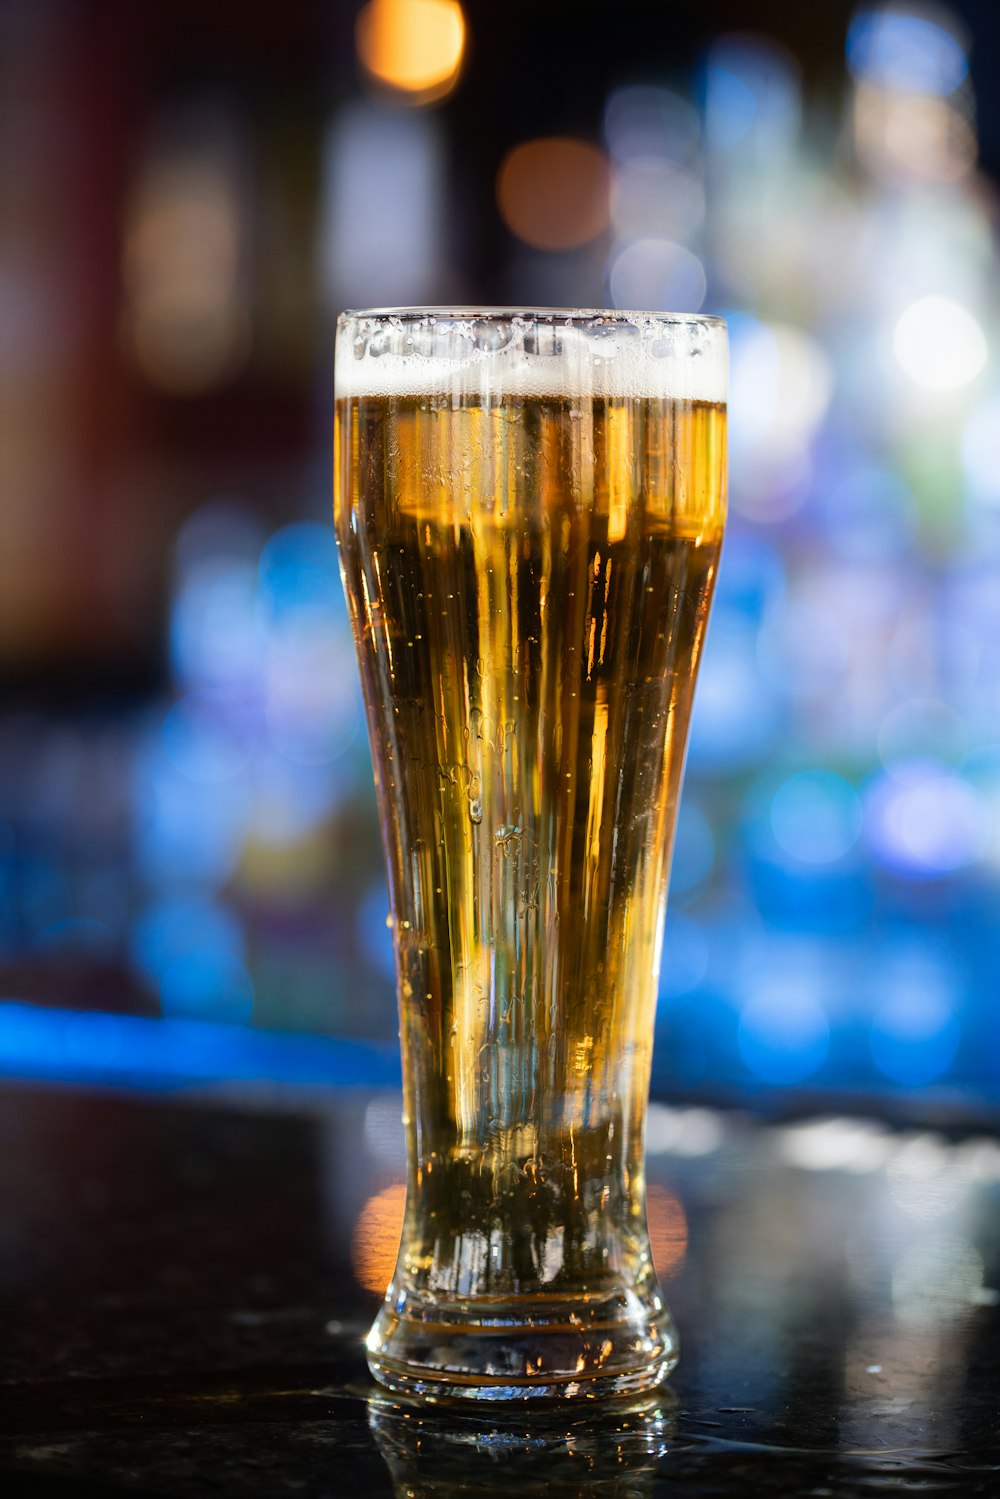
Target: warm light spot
x=187 y=324
x=414 y=46
x=554 y=193
x=913 y=137
x=376 y=1237
x=668 y=1234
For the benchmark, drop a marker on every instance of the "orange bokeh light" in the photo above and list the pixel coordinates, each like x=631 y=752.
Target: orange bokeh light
x=412 y=46
x=376 y=1236
x=554 y=193
x=668 y=1232
x=186 y=321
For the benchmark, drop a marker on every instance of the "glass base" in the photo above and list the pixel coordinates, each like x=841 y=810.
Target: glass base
x=552 y=1349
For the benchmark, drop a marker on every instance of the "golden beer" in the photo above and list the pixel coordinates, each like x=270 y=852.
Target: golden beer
x=529 y=571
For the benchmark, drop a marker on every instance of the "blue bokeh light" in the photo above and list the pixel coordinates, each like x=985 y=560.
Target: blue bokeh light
x=914 y=1037
x=374 y=934
x=735 y=720
x=131 y=1051
x=694 y=850
x=906 y=48
x=291 y=799
x=186 y=831
x=312 y=701
x=752 y=579
x=202 y=745
x=816 y=816
x=784 y=1033
x=192 y=951
x=684 y=963
x=299 y=569
x=215 y=626
x=868 y=513
x=207 y=985
x=751 y=94
x=729 y=107
x=803 y=649
x=177 y=926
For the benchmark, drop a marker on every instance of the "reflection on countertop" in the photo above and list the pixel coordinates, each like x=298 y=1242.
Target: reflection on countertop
x=187 y=1280
x=607 y=1452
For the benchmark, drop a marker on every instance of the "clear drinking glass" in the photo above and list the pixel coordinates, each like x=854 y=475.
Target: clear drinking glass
x=529 y=506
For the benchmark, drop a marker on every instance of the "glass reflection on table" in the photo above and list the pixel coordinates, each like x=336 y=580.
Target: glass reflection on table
x=586 y=1451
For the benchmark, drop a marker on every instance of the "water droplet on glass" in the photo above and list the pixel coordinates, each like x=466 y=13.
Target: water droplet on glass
x=476 y=809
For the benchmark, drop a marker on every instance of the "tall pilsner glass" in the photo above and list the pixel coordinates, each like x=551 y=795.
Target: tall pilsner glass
x=529 y=506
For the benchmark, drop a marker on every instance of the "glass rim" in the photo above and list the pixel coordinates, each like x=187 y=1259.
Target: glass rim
x=531 y=351
x=563 y=315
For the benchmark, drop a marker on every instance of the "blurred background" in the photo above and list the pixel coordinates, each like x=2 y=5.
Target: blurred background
x=191 y=878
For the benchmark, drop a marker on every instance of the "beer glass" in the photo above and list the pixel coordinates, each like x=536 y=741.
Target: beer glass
x=529 y=506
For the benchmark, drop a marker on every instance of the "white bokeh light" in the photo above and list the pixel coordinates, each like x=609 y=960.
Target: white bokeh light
x=981 y=451
x=781 y=381
x=646 y=123
x=657 y=273
x=924 y=821
x=939 y=344
x=658 y=198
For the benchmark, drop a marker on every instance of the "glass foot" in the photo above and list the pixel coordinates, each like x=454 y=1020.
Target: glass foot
x=556 y=1349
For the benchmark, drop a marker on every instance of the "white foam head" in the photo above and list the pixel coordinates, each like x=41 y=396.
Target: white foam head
x=489 y=353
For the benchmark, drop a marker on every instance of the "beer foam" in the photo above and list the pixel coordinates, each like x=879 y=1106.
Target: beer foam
x=492 y=353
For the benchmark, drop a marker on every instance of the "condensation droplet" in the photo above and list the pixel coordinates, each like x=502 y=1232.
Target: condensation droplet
x=476 y=809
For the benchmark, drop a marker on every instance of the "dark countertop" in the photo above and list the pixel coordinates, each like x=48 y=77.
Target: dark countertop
x=182 y=1314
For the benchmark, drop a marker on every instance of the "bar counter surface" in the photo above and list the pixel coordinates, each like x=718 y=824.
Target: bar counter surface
x=187 y=1279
